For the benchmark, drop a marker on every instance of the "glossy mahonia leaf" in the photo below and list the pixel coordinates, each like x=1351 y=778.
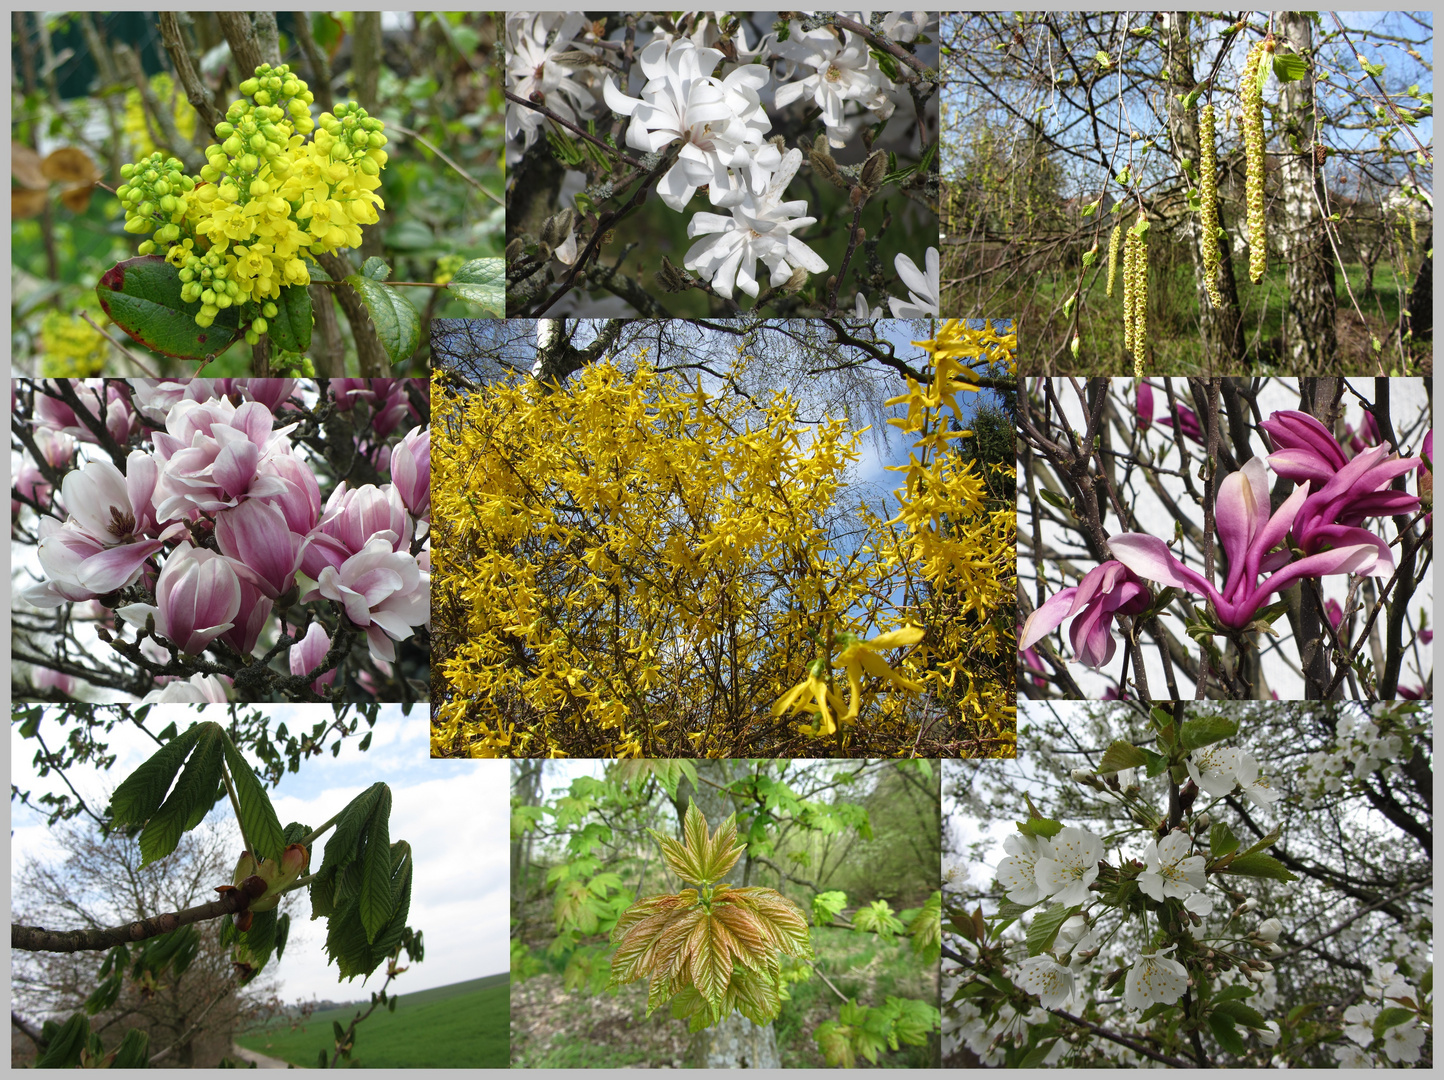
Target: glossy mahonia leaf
x=142 y=296
x=712 y=951
x=482 y=282
x=396 y=321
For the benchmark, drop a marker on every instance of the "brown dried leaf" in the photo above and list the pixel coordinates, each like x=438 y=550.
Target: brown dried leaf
x=77 y=199
x=26 y=204
x=70 y=165
x=25 y=167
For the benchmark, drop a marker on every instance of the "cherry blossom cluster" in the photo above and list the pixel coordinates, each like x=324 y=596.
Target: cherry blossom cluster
x=1363 y=745
x=706 y=93
x=186 y=515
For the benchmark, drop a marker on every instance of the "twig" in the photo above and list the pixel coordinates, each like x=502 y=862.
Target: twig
x=225 y=990
x=109 y=337
x=891 y=47
x=196 y=92
x=608 y=147
x=39 y=939
x=460 y=171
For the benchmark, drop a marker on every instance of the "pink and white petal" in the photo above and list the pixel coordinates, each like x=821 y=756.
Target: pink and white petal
x=116 y=567
x=1047 y=618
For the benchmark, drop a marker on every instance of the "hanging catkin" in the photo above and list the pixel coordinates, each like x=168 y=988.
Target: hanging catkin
x=1113 y=254
x=1129 y=249
x=1208 y=187
x=1251 y=93
x=1140 y=301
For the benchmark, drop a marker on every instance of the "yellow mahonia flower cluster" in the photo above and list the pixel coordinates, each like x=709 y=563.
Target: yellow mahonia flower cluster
x=71 y=348
x=267 y=197
x=631 y=565
x=138 y=132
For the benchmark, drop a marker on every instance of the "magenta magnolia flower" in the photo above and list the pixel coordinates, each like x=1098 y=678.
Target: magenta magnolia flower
x=1332 y=514
x=215 y=455
x=1104 y=592
x=1304 y=450
x=411 y=471
x=1334 y=612
x=381 y=590
x=1144 y=410
x=351 y=520
x=197 y=598
x=256 y=535
x=1249 y=536
x=308 y=653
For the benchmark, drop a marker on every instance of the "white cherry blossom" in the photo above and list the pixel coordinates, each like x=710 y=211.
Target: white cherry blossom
x=760 y=228
x=1072 y=866
x=1156 y=977
x=1402 y=1042
x=1018 y=872
x=1050 y=980
x=1169 y=869
x=1214 y=768
x=923 y=289
x=1359 y=1022
x=1256 y=787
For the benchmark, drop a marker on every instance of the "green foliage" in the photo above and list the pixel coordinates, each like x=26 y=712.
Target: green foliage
x=1257 y=864
x=925 y=929
x=142 y=296
x=259 y=824
x=290 y=327
x=826 y=906
x=1206 y=730
x=482 y=282
x=877 y=918
x=397 y=323
x=1043 y=930
x=870 y=1031
x=1121 y=755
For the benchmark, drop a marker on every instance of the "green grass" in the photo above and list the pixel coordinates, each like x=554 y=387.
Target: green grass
x=465 y=1026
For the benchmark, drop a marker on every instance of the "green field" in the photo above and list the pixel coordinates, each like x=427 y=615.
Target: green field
x=464 y=1026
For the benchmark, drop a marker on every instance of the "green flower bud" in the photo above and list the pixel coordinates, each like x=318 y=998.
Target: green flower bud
x=249 y=87
x=259 y=325
x=269 y=310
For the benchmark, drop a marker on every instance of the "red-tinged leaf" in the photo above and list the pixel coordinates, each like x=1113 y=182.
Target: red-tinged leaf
x=679 y=859
x=757 y=998
x=754 y=937
x=142 y=296
x=710 y=958
x=722 y=851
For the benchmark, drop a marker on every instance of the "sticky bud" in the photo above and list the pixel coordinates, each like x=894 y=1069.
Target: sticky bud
x=1074 y=347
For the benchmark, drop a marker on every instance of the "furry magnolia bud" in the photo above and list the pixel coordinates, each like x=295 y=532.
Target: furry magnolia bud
x=1251 y=93
x=1208 y=195
x=873 y=170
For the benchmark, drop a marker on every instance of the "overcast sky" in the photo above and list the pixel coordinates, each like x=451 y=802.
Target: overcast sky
x=455 y=814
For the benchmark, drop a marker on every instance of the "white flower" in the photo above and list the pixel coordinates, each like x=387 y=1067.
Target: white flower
x=843 y=70
x=760 y=228
x=1351 y=1057
x=923 y=289
x=1213 y=768
x=533 y=67
x=862 y=311
x=1050 y=980
x=1402 y=1041
x=202 y=688
x=1359 y=1022
x=1270 y=1034
x=1269 y=930
x=1156 y=977
x=1072 y=867
x=1200 y=903
x=1017 y=874
x=903 y=26
x=722 y=122
x=1256 y=787
x=1169 y=870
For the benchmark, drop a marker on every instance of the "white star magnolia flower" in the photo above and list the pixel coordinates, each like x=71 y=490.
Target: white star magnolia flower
x=1072 y=867
x=1169 y=869
x=1018 y=874
x=904 y=26
x=1402 y=1042
x=923 y=289
x=843 y=70
x=1256 y=787
x=1214 y=768
x=862 y=311
x=760 y=228
x=1050 y=980
x=722 y=122
x=1156 y=977
x=532 y=67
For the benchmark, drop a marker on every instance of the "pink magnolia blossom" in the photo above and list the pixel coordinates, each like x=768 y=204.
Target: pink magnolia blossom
x=251 y=617
x=1188 y=424
x=306 y=655
x=1334 y=612
x=1332 y=514
x=198 y=688
x=352 y=519
x=382 y=590
x=1144 y=411
x=104 y=402
x=1249 y=536
x=1105 y=591
x=215 y=455
x=411 y=471
x=256 y=535
x=197 y=599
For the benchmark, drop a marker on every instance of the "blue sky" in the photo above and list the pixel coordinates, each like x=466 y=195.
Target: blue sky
x=455 y=814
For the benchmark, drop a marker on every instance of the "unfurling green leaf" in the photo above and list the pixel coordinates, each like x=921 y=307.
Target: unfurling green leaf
x=481 y=282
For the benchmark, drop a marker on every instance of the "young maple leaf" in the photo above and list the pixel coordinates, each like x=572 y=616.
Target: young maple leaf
x=714 y=949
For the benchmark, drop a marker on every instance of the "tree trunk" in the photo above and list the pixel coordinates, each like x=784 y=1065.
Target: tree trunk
x=1310 y=340
x=1419 y=314
x=735 y=1043
x=557 y=357
x=1221 y=329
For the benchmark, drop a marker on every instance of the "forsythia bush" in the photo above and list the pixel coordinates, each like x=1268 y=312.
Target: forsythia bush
x=632 y=566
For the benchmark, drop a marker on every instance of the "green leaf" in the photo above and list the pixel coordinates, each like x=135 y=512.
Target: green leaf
x=376 y=869
x=1206 y=730
x=409 y=235
x=375 y=268
x=194 y=795
x=1261 y=866
x=1221 y=840
x=1121 y=755
x=142 y=792
x=1391 y=1017
x=1290 y=68
x=481 y=282
x=1221 y=1024
x=1043 y=930
x=396 y=321
x=1240 y=1013
x=926 y=929
x=142 y=296
x=1104 y=60
x=1236 y=992
x=133 y=1051
x=291 y=328
x=827 y=905
x=259 y=823
x=1157 y=763
x=65 y=1046
x=1039 y=826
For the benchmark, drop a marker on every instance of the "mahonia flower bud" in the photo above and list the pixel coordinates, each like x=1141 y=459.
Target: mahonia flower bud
x=1251 y=92
x=1208 y=188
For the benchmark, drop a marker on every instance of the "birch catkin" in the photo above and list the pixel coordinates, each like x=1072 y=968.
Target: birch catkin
x=1208 y=186
x=1113 y=254
x=1251 y=93
x=1140 y=301
x=1129 y=249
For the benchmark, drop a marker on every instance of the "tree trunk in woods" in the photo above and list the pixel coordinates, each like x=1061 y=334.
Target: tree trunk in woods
x=557 y=357
x=735 y=1043
x=1221 y=329
x=1419 y=314
x=1310 y=337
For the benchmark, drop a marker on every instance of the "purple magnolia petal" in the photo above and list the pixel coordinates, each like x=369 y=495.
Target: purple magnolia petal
x=1047 y=618
x=1149 y=557
x=1240 y=513
x=1289 y=428
x=1362 y=558
x=115 y=567
x=235 y=466
x=1301 y=466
